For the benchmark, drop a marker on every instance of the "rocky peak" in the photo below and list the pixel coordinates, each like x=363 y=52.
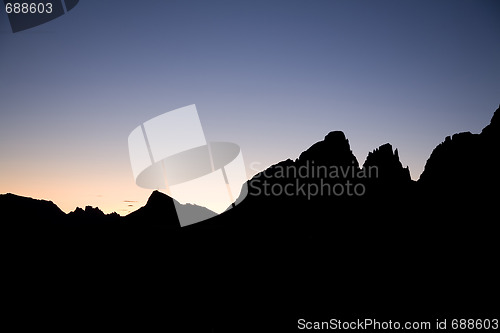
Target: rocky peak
x=388 y=163
x=338 y=140
x=158 y=198
x=493 y=129
x=89 y=213
x=458 y=163
x=333 y=150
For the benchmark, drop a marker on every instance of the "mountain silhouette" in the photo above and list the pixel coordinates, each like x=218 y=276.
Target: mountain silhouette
x=316 y=237
x=333 y=150
x=389 y=166
x=465 y=163
x=160 y=211
x=27 y=210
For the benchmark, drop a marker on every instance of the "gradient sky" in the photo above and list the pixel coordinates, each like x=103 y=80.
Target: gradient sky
x=273 y=76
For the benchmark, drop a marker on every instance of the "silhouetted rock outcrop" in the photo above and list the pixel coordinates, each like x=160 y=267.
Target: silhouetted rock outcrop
x=388 y=165
x=391 y=183
x=18 y=210
x=492 y=131
x=160 y=211
x=92 y=217
x=333 y=150
x=463 y=170
x=89 y=212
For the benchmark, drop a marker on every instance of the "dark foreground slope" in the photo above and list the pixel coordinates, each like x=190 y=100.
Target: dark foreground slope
x=299 y=246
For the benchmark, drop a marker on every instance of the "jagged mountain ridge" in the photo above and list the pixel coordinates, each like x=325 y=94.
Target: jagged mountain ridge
x=159 y=204
x=450 y=160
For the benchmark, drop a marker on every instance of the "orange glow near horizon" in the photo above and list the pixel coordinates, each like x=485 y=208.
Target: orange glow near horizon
x=75 y=185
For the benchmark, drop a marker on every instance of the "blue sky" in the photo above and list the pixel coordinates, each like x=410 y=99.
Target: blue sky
x=272 y=76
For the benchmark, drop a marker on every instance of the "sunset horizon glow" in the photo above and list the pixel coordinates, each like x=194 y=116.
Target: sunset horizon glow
x=274 y=77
